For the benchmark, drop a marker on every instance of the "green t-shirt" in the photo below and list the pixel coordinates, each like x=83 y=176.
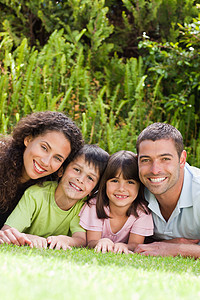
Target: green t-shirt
x=37 y=213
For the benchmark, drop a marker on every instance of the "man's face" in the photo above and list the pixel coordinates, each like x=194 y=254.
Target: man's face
x=160 y=166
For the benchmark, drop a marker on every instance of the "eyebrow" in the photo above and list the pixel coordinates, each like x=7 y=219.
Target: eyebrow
x=161 y=155
x=95 y=175
x=49 y=146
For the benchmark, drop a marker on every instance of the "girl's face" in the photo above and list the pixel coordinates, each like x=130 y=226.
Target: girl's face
x=121 y=192
x=44 y=154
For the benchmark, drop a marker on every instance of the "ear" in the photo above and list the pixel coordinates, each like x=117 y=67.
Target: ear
x=183 y=159
x=27 y=140
x=60 y=172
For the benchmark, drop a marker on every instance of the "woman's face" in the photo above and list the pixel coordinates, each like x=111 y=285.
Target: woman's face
x=44 y=154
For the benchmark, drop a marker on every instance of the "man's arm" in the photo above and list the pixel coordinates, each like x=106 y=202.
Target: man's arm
x=181 y=241
x=169 y=249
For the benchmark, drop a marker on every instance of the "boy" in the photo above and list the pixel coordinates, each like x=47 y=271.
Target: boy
x=48 y=214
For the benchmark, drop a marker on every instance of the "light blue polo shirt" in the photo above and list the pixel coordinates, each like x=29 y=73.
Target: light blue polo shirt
x=185 y=219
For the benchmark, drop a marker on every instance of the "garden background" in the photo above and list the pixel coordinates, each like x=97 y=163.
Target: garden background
x=114 y=67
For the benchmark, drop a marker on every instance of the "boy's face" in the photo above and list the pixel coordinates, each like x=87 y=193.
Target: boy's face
x=79 y=179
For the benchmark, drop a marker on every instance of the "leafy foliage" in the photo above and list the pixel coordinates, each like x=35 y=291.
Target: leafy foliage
x=178 y=65
x=94 y=61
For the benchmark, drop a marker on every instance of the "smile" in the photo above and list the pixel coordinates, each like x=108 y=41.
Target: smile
x=121 y=196
x=157 y=180
x=75 y=187
x=38 y=169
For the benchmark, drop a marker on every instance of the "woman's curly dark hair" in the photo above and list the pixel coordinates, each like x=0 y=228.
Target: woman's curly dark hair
x=12 y=149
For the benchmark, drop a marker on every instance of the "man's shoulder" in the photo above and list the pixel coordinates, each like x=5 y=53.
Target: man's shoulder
x=194 y=172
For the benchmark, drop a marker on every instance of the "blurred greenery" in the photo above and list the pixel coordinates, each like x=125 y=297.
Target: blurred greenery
x=112 y=66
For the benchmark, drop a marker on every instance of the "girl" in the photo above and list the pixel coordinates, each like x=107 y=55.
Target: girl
x=39 y=145
x=120 y=219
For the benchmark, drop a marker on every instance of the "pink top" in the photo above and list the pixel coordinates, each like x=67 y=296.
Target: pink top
x=143 y=225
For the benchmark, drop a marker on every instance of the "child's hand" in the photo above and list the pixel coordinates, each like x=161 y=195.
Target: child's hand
x=104 y=245
x=121 y=248
x=59 y=242
x=37 y=241
x=13 y=236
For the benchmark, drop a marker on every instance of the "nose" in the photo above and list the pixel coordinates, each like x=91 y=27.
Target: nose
x=81 y=178
x=155 y=167
x=46 y=160
x=121 y=187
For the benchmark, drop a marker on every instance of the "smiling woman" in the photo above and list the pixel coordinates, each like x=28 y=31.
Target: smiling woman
x=41 y=142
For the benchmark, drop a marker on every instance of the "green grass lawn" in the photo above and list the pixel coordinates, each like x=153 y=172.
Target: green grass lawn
x=83 y=274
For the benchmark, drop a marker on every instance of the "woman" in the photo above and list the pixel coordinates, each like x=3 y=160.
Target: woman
x=40 y=144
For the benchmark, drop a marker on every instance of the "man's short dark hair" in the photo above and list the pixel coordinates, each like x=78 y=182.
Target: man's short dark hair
x=158 y=131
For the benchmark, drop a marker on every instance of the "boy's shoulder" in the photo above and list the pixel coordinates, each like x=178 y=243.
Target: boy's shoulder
x=78 y=205
x=46 y=186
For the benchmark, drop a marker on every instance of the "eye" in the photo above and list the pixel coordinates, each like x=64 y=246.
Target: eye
x=76 y=169
x=113 y=180
x=58 y=158
x=166 y=158
x=144 y=160
x=131 y=182
x=90 y=178
x=44 y=147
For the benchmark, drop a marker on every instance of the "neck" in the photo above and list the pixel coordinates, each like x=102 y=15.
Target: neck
x=118 y=218
x=167 y=210
x=117 y=211
x=24 y=177
x=63 y=202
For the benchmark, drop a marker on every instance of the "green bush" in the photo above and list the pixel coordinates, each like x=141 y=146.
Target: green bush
x=94 y=61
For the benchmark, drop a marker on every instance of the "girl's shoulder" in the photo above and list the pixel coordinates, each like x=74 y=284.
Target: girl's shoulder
x=89 y=205
x=92 y=201
x=143 y=209
x=88 y=209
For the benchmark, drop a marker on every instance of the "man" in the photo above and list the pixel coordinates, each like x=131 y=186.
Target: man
x=173 y=190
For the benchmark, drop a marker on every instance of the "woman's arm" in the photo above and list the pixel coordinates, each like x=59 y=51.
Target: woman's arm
x=10 y=235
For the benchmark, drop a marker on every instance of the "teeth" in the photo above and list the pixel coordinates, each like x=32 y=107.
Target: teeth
x=38 y=168
x=157 y=179
x=76 y=187
x=121 y=196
